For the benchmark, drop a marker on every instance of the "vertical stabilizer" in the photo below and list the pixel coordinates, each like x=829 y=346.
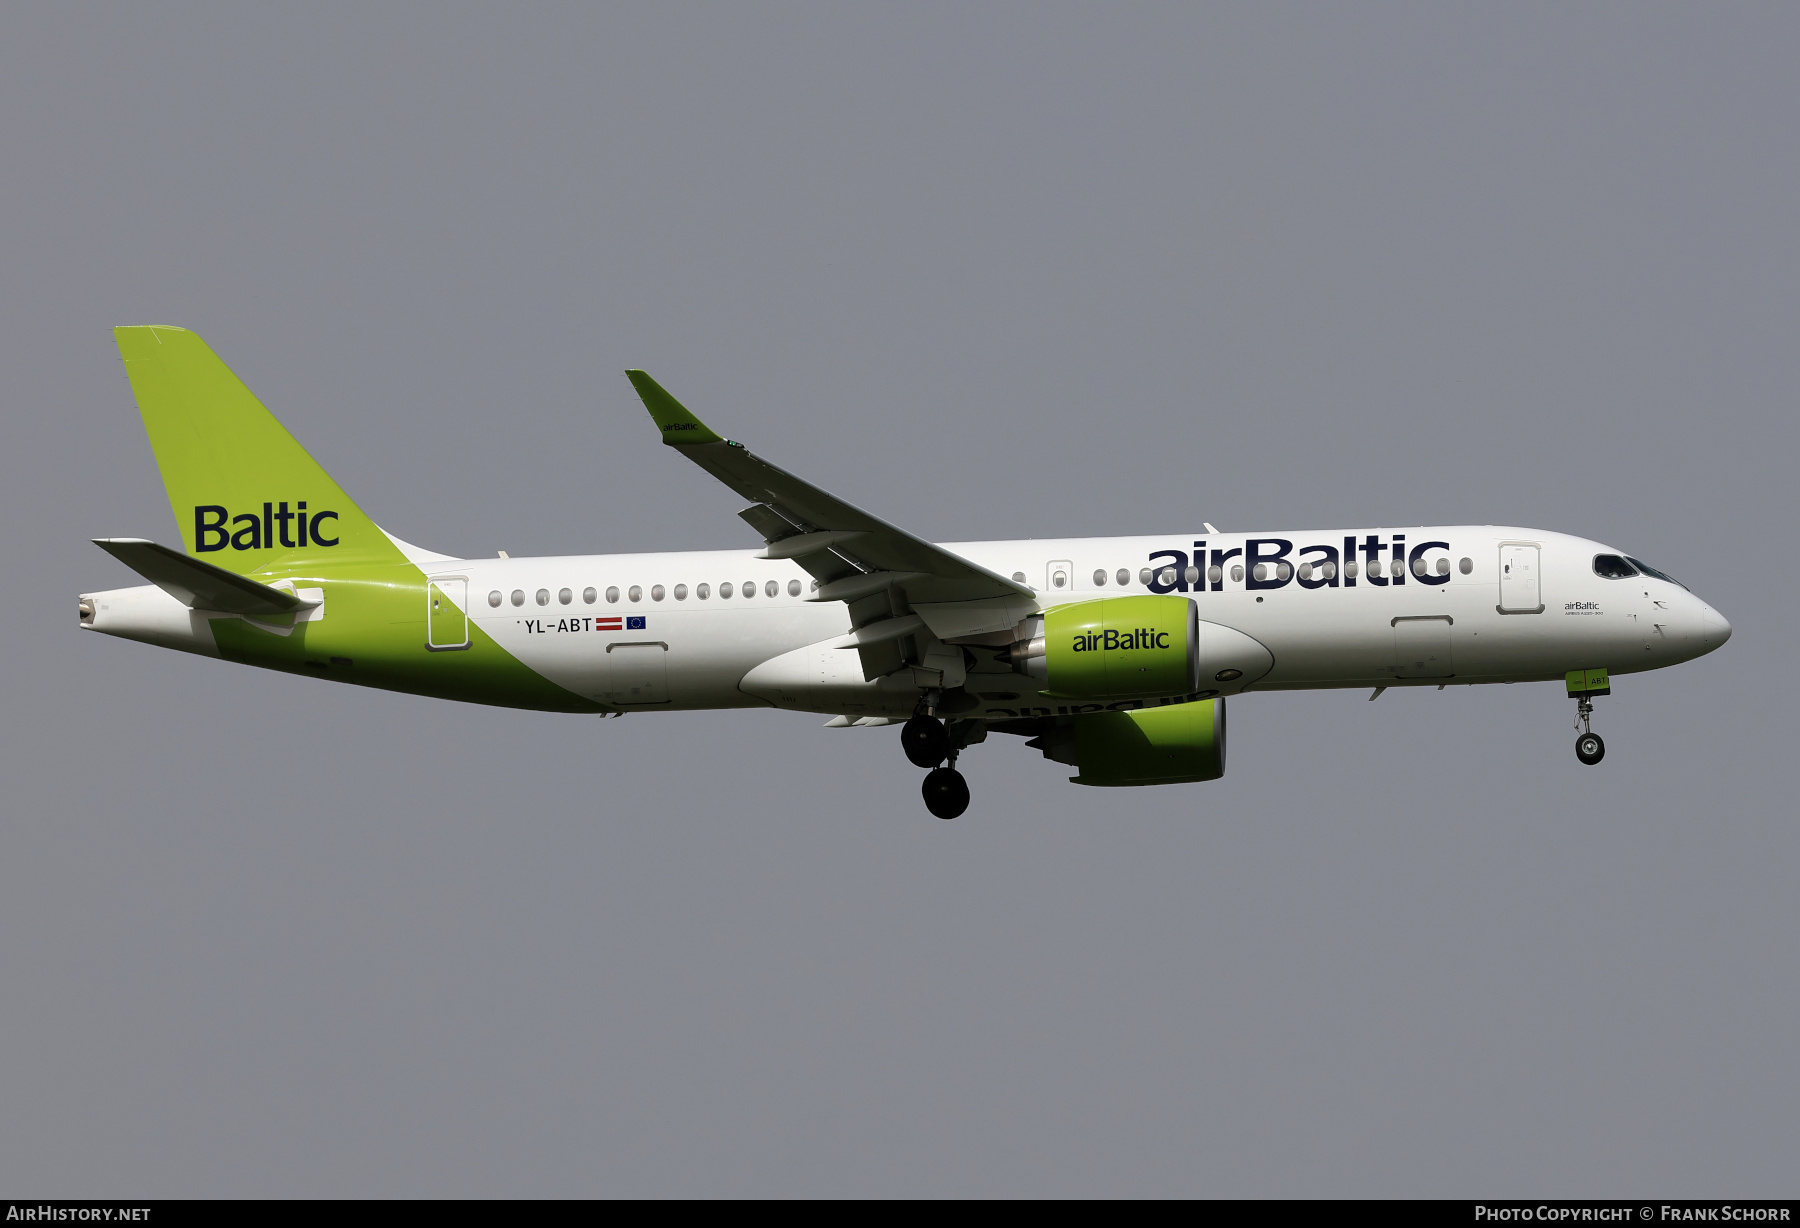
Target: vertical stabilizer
x=246 y=496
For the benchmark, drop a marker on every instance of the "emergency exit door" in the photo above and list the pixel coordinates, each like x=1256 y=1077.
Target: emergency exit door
x=1519 y=588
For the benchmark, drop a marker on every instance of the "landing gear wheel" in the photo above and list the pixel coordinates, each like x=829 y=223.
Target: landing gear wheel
x=946 y=793
x=1590 y=749
x=926 y=743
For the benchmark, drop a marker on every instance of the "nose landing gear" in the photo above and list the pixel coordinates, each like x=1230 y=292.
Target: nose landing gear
x=927 y=744
x=1583 y=685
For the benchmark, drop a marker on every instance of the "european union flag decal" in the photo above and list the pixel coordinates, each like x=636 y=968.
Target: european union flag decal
x=634 y=622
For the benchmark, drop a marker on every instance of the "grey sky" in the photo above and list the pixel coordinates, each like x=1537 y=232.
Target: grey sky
x=991 y=271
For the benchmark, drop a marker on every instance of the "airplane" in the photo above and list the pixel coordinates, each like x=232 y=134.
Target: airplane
x=1112 y=655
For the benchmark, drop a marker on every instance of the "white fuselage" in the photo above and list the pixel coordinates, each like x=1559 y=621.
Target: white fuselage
x=1342 y=631
x=1467 y=619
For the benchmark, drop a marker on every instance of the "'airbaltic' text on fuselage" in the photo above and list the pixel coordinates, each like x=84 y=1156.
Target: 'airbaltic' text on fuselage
x=1272 y=562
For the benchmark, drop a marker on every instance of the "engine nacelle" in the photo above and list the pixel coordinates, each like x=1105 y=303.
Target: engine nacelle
x=1116 y=648
x=1169 y=745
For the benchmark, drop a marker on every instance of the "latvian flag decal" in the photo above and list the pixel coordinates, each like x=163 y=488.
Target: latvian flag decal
x=608 y=624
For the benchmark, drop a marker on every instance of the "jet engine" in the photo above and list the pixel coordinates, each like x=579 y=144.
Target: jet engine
x=1115 y=648
x=1168 y=745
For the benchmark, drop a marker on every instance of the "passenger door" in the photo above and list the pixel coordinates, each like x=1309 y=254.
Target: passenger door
x=446 y=613
x=1519 y=589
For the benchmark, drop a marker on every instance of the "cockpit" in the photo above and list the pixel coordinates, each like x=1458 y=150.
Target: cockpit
x=1623 y=567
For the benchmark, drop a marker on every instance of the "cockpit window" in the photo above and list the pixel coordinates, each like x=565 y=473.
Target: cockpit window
x=1613 y=567
x=1651 y=571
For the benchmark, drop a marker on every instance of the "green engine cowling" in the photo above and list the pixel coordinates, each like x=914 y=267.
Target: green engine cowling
x=1178 y=744
x=1169 y=744
x=1116 y=648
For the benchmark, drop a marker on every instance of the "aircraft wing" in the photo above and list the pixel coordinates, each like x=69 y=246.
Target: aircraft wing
x=196 y=584
x=856 y=557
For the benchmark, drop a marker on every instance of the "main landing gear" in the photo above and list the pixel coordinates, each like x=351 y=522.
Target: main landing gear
x=927 y=744
x=925 y=741
x=946 y=793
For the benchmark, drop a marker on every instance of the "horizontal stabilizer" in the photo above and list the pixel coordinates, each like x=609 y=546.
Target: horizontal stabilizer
x=197 y=585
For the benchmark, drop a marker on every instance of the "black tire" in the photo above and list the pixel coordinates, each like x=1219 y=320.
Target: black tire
x=1590 y=749
x=925 y=741
x=946 y=793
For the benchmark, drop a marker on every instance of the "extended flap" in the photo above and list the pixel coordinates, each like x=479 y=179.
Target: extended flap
x=952 y=620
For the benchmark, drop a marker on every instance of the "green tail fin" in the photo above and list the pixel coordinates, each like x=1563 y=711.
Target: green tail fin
x=246 y=496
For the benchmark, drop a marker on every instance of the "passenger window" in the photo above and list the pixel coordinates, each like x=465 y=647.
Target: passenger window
x=1306 y=571
x=1418 y=566
x=565 y=596
x=1059 y=579
x=1284 y=571
x=771 y=587
x=518 y=597
x=1396 y=569
x=657 y=592
x=612 y=595
x=1122 y=577
x=1237 y=574
x=724 y=590
x=681 y=592
x=793 y=588
x=1350 y=569
x=588 y=595
x=1261 y=572
x=1143 y=575
x=635 y=592
x=1166 y=576
x=494 y=597
x=703 y=591
x=1100 y=579
x=1192 y=575
x=1443 y=567
x=748 y=588
x=543 y=596
x=1328 y=569
x=1466 y=566
x=1215 y=574
x=1018 y=577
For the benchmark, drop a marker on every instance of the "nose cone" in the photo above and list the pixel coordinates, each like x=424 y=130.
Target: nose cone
x=1686 y=627
x=1714 y=630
